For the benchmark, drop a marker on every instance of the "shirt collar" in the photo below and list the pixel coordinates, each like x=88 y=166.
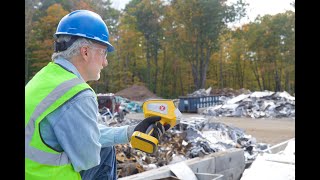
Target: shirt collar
x=68 y=65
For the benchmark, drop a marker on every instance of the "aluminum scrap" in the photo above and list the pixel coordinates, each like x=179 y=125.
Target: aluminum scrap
x=200 y=93
x=263 y=104
x=193 y=137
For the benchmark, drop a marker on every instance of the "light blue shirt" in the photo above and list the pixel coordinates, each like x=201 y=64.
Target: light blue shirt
x=73 y=128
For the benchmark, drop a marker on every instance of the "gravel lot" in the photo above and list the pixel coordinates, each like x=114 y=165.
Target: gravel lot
x=269 y=130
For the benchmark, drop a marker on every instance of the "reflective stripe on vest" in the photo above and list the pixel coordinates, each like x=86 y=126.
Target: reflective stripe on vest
x=38 y=155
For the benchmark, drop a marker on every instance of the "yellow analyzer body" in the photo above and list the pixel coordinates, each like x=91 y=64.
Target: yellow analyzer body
x=168 y=111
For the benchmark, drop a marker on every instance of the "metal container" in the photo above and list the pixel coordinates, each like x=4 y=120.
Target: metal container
x=208 y=176
x=191 y=104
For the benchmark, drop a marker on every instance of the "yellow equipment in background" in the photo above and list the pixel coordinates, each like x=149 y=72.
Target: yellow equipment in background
x=168 y=111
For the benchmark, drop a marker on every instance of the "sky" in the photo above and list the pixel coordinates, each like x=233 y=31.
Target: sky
x=255 y=8
x=263 y=7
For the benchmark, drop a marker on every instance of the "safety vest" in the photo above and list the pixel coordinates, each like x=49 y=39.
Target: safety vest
x=50 y=88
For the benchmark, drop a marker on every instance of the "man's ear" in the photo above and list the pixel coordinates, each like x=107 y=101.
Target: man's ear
x=84 y=52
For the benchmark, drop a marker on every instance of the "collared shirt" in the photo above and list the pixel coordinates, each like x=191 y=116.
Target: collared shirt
x=73 y=128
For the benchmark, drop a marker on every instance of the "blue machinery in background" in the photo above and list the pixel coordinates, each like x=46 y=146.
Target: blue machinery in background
x=191 y=104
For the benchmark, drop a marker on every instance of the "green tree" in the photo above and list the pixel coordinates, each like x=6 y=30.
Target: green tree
x=30 y=8
x=199 y=24
x=271 y=49
x=149 y=15
x=41 y=38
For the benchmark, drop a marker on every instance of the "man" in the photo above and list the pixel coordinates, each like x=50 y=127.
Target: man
x=62 y=137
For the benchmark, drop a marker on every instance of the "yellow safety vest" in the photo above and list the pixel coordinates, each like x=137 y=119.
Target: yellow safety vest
x=50 y=88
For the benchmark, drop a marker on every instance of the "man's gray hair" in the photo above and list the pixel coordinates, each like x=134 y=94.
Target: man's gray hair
x=73 y=50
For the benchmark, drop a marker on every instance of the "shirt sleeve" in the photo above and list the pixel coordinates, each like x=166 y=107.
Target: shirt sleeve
x=77 y=131
x=113 y=135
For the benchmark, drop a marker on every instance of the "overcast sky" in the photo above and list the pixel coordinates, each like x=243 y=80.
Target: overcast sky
x=255 y=7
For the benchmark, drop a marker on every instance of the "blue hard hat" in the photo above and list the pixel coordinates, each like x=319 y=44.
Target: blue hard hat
x=87 y=24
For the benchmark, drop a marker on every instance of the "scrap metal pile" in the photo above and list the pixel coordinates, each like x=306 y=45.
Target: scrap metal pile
x=227 y=92
x=258 y=104
x=196 y=137
x=193 y=137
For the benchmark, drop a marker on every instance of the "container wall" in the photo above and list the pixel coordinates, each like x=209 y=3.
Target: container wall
x=191 y=104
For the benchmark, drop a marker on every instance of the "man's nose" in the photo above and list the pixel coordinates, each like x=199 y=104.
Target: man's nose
x=105 y=63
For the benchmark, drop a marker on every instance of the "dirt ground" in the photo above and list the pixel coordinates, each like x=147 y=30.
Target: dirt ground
x=136 y=93
x=269 y=130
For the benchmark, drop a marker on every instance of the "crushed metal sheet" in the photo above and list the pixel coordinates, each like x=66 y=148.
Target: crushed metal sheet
x=193 y=137
x=255 y=105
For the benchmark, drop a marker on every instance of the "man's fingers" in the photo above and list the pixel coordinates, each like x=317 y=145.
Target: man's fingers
x=152 y=123
x=159 y=129
x=155 y=132
x=144 y=124
x=160 y=126
x=166 y=127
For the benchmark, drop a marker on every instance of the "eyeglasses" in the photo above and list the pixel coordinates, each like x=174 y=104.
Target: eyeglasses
x=102 y=51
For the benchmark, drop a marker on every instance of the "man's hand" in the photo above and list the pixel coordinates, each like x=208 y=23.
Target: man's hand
x=148 y=123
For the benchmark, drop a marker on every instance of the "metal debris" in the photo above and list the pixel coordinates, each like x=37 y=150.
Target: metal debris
x=200 y=93
x=193 y=137
x=256 y=105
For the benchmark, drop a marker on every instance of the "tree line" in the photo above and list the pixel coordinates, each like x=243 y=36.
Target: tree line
x=175 y=47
